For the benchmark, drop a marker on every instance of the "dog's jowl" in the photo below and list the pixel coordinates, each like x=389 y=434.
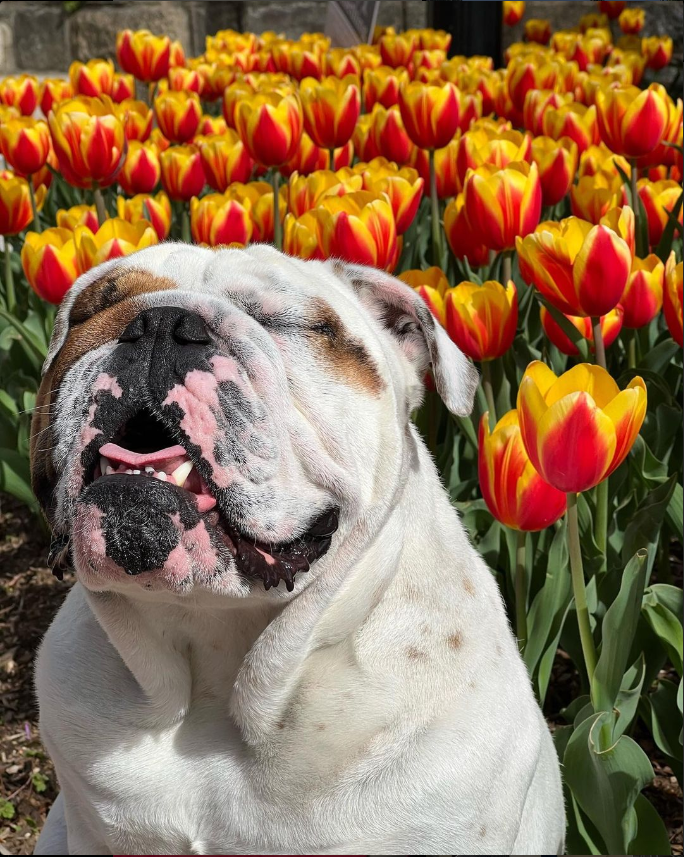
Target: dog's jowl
x=280 y=639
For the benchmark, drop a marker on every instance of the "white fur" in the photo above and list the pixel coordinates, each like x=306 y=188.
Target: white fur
x=382 y=707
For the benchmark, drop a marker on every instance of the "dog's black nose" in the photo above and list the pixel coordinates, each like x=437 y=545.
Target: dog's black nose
x=170 y=323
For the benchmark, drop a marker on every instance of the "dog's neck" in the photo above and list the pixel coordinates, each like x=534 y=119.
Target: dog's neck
x=252 y=654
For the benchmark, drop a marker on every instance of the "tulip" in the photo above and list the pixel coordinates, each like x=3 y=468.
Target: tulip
x=212 y=126
x=25 y=144
x=158 y=140
x=185 y=80
x=216 y=219
x=537 y=102
x=669 y=151
x=397 y=51
x=15 y=203
x=368 y=56
x=556 y=161
x=524 y=74
x=643 y=295
x=339 y=62
x=672 y=298
x=483 y=146
x=270 y=126
x=359 y=227
x=611 y=324
x=389 y=135
x=514 y=492
x=364 y=139
x=94 y=78
x=572 y=120
x=538 y=30
x=78 y=215
x=52 y=90
x=259 y=195
x=431 y=285
x=141 y=170
x=178 y=115
x=513 y=10
x=232 y=96
x=632 y=121
x=49 y=262
x=156 y=210
x=88 y=139
x=182 y=174
x=446 y=173
x=123 y=87
x=137 y=118
x=657 y=50
x=430 y=39
x=403 y=188
x=593 y=196
x=113 y=239
x=588 y=49
x=308 y=158
x=577 y=429
x=302 y=235
x=460 y=236
x=612 y=8
x=502 y=204
x=225 y=160
x=428 y=60
x=381 y=85
x=330 y=109
x=482 y=320
x=599 y=158
x=20 y=92
x=143 y=55
x=430 y=113
x=631 y=20
x=659 y=199
x=176 y=54
x=305 y=192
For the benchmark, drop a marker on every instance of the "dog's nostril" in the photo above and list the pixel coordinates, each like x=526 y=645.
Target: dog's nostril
x=191 y=330
x=135 y=330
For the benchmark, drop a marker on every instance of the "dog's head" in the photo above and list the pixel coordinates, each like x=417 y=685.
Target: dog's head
x=208 y=418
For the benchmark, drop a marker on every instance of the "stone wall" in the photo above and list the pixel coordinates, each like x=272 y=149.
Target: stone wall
x=43 y=36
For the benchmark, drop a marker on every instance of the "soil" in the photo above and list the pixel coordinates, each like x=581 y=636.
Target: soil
x=29 y=598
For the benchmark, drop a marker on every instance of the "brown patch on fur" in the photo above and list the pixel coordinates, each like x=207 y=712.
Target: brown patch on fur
x=411 y=592
x=113 y=288
x=414 y=654
x=468 y=586
x=425 y=629
x=281 y=724
x=320 y=726
x=455 y=640
x=482 y=832
x=472 y=685
x=346 y=355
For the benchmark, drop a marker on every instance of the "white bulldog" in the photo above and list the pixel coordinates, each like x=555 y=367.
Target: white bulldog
x=209 y=424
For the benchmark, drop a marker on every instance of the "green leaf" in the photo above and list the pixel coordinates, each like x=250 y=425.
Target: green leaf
x=668 y=628
x=651 y=835
x=568 y=329
x=645 y=524
x=606 y=782
x=587 y=843
x=660 y=356
x=7 y=809
x=40 y=782
x=627 y=700
x=617 y=632
x=674 y=514
x=15 y=477
x=660 y=710
x=662 y=251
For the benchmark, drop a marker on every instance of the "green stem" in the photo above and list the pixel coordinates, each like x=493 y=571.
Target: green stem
x=506 y=265
x=332 y=160
x=9 y=280
x=601 y=521
x=577 y=573
x=631 y=350
x=186 y=232
x=521 y=591
x=99 y=204
x=489 y=391
x=434 y=217
x=277 y=226
x=34 y=207
x=636 y=208
x=599 y=347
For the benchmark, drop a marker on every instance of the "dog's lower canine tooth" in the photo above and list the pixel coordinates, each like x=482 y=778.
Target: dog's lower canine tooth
x=180 y=474
x=104 y=464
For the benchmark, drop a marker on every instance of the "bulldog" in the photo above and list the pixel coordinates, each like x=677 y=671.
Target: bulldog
x=280 y=640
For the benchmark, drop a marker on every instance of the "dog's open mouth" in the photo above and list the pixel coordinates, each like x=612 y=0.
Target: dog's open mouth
x=145 y=449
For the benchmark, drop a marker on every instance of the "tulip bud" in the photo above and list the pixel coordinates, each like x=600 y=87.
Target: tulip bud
x=302 y=235
x=659 y=199
x=123 y=87
x=20 y=92
x=643 y=295
x=460 y=235
x=217 y=219
x=113 y=239
x=657 y=50
x=185 y=80
x=632 y=121
x=49 y=262
x=156 y=210
x=538 y=30
x=612 y=8
x=330 y=109
x=611 y=325
x=270 y=126
x=141 y=170
x=430 y=113
x=359 y=227
x=397 y=50
x=92 y=79
x=513 y=10
x=212 y=126
x=25 y=144
x=15 y=203
x=557 y=164
x=178 y=115
x=381 y=86
x=143 y=55
x=482 y=320
x=339 y=62
x=182 y=173
x=305 y=192
x=632 y=20
x=53 y=90
x=225 y=160
x=672 y=298
x=403 y=188
x=593 y=196
x=137 y=119
x=389 y=135
x=431 y=285
x=572 y=120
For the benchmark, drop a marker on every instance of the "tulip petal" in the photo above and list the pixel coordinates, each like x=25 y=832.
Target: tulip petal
x=587 y=378
x=627 y=412
x=601 y=271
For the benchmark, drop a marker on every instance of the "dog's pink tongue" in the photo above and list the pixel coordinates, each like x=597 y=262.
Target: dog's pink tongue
x=161 y=459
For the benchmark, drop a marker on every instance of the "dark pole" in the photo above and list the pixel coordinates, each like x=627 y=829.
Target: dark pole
x=475 y=26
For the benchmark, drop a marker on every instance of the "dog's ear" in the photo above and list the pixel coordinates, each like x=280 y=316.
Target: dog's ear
x=420 y=336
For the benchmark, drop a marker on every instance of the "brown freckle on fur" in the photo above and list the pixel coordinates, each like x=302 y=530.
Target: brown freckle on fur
x=412 y=593
x=499 y=650
x=346 y=354
x=468 y=586
x=414 y=654
x=472 y=685
x=482 y=832
x=281 y=724
x=320 y=726
x=455 y=640
x=425 y=629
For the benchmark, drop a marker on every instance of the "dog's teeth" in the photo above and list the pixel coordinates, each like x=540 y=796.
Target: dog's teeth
x=103 y=465
x=110 y=470
x=180 y=474
x=130 y=472
x=149 y=470
x=161 y=475
x=136 y=473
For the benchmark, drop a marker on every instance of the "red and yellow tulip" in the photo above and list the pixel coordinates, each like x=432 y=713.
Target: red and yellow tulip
x=78 y=215
x=89 y=140
x=460 y=236
x=612 y=8
x=643 y=295
x=123 y=87
x=537 y=102
x=183 y=79
x=514 y=492
x=632 y=121
x=397 y=50
x=225 y=160
x=217 y=219
x=141 y=170
x=502 y=205
x=25 y=144
x=178 y=115
x=137 y=118
x=381 y=85
x=573 y=120
x=302 y=236
x=390 y=138
x=491 y=146
x=270 y=125
x=482 y=320
x=430 y=113
x=305 y=192
x=143 y=55
x=20 y=92
x=340 y=62
x=672 y=298
x=611 y=325
x=577 y=429
x=657 y=51
x=513 y=10
x=659 y=198
x=113 y=239
x=52 y=90
x=538 y=30
x=431 y=285
x=15 y=203
x=580 y=268
x=49 y=262
x=156 y=210
x=593 y=196
x=556 y=161
x=330 y=109
x=631 y=20
x=359 y=227
x=93 y=78
x=182 y=173
x=403 y=187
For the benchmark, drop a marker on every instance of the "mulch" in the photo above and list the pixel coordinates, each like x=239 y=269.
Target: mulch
x=29 y=598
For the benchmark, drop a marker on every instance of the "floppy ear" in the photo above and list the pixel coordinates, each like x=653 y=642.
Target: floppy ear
x=420 y=336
